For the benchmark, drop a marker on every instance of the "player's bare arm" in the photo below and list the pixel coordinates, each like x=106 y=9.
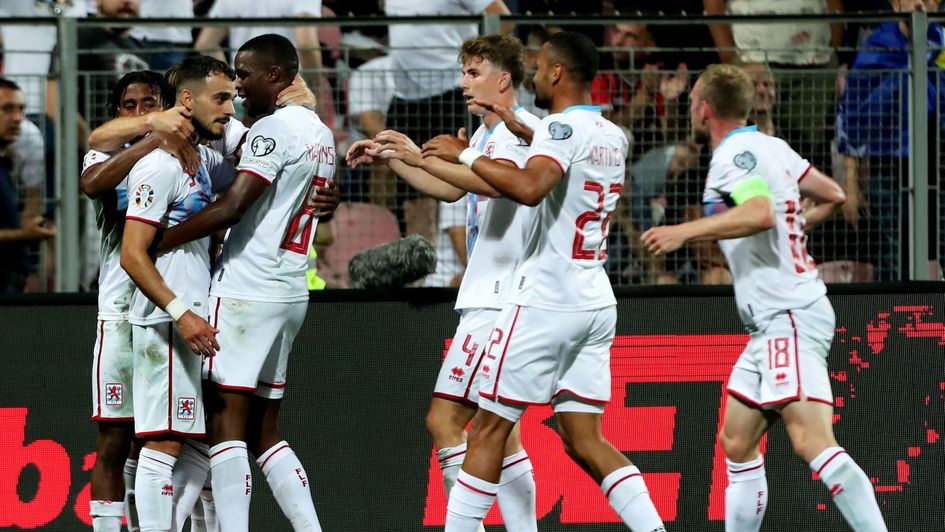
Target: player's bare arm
x=115 y=134
x=198 y=334
x=827 y=195
x=31 y=228
x=222 y=214
x=527 y=186
x=752 y=216
x=103 y=177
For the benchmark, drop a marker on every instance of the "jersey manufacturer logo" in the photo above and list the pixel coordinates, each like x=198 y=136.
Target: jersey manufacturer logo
x=186 y=408
x=144 y=195
x=262 y=146
x=457 y=374
x=114 y=394
x=559 y=131
x=746 y=161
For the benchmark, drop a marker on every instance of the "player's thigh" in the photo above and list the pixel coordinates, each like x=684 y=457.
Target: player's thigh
x=459 y=375
x=112 y=372
x=288 y=318
x=742 y=429
x=168 y=398
x=248 y=330
x=810 y=427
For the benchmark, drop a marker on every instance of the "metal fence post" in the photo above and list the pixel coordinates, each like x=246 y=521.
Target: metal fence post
x=918 y=150
x=491 y=24
x=67 y=177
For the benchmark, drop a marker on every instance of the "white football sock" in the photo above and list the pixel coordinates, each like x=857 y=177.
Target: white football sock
x=289 y=483
x=106 y=515
x=190 y=473
x=628 y=496
x=232 y=484
x=516 y=494
x=154 y=490
x=451 y=461
x=850 y=488
x=204 y=516
x=131 y=512
x=470 y=500
x=746 y=496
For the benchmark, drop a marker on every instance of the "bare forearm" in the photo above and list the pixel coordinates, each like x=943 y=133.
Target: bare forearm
x=114 y=134
x=506 y=180
x=425 y=182
x=741 y=221
x=459 y=176
x=106 y=176
x=12 y=235
x=721 y=33
x=214 y=217
x=145 y=275
x=819 y=214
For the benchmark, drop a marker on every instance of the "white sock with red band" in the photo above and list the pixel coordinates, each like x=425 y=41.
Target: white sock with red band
x=290 y=485
x=131 y=512
x=204 y=517
x=451 y=461
x=232 y=484
x=106 y=515
x=516 y=493
x=190 y=473
x=746 y=496
x=154 y=490
x=469 y=503
x=628 y=496
x=850 y=488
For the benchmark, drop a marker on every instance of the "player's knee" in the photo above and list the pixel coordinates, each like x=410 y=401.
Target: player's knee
x=112 y=449
x=737 y=448
x=808 y=444
x=580 y=447
x=489 y=428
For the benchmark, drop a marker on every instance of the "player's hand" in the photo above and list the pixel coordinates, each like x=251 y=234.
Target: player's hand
x=325 y=199
x=851 y=209
x=34 y=229
x=199 y=335
x=395 y=145
x=446 y=147
x=663 y=239
x=297 y=93
x=358 y=153
x=516 y=126
x=174 y=120
x=181 y=148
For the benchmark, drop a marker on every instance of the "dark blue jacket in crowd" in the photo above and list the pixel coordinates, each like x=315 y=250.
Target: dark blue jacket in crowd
x=873 y=116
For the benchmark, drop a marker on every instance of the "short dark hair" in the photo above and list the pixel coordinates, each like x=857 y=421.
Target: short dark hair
x=275 y=50
x=144 y=77
x=577 y=53
x=9 y=85
x=196 y=68
x=504 y=51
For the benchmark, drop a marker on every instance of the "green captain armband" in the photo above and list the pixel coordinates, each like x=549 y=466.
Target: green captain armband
x=751 y=187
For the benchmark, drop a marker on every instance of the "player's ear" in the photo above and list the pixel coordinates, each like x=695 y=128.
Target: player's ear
x=505 y=81
x=557 y=70
x=186 y=98
x=275 y=73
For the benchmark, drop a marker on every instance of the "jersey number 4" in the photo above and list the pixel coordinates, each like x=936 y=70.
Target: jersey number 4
x=598 y=251
x=298 y=235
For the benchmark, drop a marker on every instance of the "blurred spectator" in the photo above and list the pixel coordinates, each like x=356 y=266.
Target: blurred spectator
x=427 y=98
x=450 y=245
x=370 y=91
x=564 y=7
x=873 y=135
x=19 y=225
x=305 y=38
x=802 y=55
x=684 y=43
x=168 y=44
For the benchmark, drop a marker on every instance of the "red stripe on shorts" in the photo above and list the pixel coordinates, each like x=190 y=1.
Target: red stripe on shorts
x=170 y=375
x=498 y=373
x=797 y=357
x=98 y=365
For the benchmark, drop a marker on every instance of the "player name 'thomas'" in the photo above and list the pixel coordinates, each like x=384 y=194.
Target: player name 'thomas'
x=320 y=153
x=605 y=156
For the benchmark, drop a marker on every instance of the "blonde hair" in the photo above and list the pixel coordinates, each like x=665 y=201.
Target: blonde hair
x=729 y=90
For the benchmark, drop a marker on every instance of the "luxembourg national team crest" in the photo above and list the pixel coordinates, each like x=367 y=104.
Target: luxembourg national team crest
x=114 y=394
x=144 y=195
x=186 y=408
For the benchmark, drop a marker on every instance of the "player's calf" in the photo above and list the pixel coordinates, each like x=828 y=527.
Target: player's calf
x=107 y=504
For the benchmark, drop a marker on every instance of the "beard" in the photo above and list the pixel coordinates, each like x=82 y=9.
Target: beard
x=204 y=131
x=542 y=101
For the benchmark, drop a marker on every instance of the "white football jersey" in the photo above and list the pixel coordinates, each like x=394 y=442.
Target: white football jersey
x=265 y=255
x=565 y=250
x=161 y=194
x=771 y=270
x=114 y=285
x=495 y=227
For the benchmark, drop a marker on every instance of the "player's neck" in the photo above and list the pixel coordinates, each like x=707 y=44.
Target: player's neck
x=563 y=100
x=491 y=119
x=721 y=129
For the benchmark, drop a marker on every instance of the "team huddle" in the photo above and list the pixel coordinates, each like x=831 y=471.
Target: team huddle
x=192 y=347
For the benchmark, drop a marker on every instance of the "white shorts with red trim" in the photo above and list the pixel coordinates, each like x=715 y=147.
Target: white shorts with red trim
x=168 y=397
x=459 y=376
x=787 y=360
x=112 y=370
x=255 y=340
x=539 y=356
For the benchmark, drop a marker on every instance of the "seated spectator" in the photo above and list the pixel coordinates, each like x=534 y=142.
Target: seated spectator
x=168 y=44
x=872 y=134
x=18 y=226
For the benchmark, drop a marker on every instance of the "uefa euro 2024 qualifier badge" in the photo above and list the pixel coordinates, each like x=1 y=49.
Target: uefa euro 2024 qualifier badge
x=144 y=195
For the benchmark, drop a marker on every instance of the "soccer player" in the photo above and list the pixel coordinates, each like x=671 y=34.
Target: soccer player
x=753 y=196
x=137 y=93
x=172 y=290
x=551 y=342
x=493 y=68
x=259 y=294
